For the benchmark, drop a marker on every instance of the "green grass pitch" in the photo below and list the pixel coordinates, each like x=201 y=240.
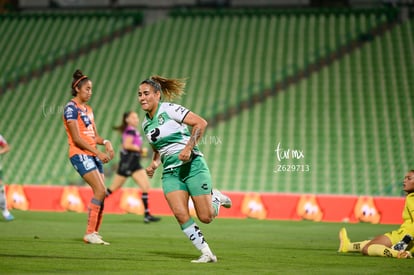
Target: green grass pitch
x=51 y=243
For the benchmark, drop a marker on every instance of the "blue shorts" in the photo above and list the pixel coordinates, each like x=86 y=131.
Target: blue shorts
x=85 y=164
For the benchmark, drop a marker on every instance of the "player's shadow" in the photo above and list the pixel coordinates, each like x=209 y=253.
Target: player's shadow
x=174 y=255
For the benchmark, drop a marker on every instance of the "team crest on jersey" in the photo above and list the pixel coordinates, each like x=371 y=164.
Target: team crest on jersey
x=161 y=120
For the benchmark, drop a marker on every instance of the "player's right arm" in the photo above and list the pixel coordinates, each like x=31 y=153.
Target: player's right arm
x=74 y=132
x=156 y=161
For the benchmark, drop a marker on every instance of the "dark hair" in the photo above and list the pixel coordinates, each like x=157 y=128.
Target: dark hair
x=151 y=82
x=171 y=88
x=78 y=79
x=121 y=128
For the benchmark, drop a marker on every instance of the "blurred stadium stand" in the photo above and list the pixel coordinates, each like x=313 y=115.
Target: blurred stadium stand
x=29 y=4
x=332 y=83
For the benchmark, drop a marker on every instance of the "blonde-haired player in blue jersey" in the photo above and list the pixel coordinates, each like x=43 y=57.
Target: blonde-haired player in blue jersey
x=185 y=172
x=395 y=244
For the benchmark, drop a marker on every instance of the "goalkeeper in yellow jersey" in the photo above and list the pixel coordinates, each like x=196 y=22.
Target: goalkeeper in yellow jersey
x=396 y=244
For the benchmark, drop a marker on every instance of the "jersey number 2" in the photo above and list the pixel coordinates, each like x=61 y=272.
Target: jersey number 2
x=154 y=134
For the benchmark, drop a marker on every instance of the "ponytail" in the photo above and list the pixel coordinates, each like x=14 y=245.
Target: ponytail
x=171 y=88
x=121 y=128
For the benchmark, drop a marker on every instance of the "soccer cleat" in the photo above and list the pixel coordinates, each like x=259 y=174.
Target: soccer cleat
x=205 y=258
x=403 y=244
x=344 y=241
x=8 y=216
x=404 y=255
x=94 y=238
x=225 y=201
x=150 y=218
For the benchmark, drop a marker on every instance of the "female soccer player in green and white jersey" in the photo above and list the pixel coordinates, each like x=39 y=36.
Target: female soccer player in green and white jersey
x=185 y=171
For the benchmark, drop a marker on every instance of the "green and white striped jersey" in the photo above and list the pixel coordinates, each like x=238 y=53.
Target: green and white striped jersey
x=167 y=133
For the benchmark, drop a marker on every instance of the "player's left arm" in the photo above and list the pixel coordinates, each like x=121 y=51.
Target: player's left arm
x=198 y=126
x=108 y=145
